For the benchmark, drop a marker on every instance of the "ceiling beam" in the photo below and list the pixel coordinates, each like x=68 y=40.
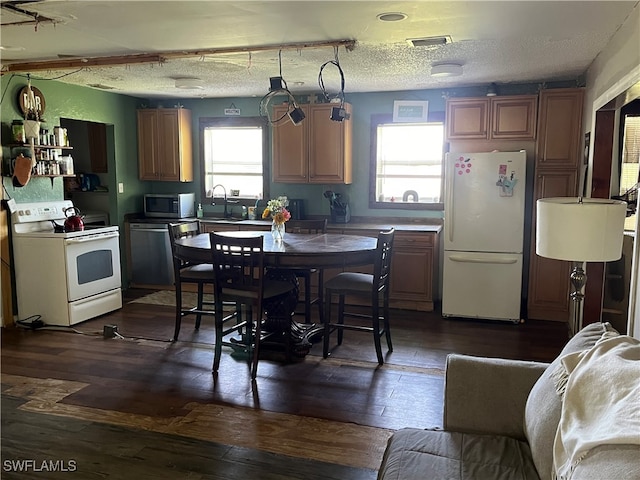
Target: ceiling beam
x=67 y=63
x=81 y=62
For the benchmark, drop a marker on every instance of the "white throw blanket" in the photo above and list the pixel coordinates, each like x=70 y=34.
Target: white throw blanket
x=601 y=404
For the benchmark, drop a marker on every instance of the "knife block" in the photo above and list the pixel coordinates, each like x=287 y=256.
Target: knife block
x=340 y=215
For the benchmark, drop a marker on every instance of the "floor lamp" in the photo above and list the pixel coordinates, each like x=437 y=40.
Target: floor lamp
x=580 y=230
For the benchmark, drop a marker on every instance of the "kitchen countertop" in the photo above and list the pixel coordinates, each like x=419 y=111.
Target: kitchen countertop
x=404 y=227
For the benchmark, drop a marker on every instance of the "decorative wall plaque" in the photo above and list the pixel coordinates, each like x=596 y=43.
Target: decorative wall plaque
x=37 y=103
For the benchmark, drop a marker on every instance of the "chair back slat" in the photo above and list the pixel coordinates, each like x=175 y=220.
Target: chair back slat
x=182 y=230
x=382 y=265
x=238 y=266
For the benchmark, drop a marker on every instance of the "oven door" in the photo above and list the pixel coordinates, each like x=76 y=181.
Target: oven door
x=93 y=264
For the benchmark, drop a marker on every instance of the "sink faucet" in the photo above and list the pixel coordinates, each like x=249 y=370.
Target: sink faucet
x=225 y=214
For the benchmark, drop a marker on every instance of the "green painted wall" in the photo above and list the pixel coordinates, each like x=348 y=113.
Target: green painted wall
x=80 y=103
x=119 y=113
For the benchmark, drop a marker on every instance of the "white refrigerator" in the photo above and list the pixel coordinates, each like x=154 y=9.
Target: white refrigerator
x=483 y=235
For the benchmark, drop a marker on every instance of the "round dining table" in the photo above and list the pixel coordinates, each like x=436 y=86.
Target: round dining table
x=296 y=250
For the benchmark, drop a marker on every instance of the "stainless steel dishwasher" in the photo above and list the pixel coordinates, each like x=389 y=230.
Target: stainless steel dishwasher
x=151 y=259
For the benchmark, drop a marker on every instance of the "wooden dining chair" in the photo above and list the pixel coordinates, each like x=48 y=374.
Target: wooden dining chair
x=309 y=226
x=240 y=278
x=185 y=272
x=374 y=286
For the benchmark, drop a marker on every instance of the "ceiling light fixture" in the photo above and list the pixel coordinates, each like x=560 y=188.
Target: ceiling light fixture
x=11 y=48
x=446 y=70
x=392 y=17
x=492 y=90
x=189 y=83
x=278 y=86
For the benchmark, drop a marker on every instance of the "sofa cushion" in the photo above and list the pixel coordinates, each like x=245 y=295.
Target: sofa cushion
x=542 y=411
x=414 y=454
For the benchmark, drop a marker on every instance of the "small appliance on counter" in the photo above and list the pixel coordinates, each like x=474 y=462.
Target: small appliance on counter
x=169 y=205
x=296 y=208
x=340 y=211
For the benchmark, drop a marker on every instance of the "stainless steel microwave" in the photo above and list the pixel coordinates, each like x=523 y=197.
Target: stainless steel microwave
x=169 y=205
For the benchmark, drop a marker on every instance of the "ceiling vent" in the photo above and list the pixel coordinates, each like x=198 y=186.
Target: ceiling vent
x=429 y=41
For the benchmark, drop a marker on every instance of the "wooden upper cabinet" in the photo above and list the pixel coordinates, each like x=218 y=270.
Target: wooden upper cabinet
x=164 y=145
x=559 y=126
x=468 y=118
x=316 y=151
x=514 y=117
x=290 y=147
x=486 y=118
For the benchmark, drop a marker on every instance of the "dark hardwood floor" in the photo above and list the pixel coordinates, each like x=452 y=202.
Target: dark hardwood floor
x=142 y=407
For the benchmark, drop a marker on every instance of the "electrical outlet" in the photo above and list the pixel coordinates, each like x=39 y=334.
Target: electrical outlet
x=109 y=331
x=120 y=187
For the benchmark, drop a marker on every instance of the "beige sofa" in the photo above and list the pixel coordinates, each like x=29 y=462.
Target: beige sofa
x=501 y=417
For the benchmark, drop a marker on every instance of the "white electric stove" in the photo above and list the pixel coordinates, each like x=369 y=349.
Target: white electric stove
x=64 y=277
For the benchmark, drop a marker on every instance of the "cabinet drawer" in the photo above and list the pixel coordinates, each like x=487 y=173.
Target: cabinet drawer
x=421 y=240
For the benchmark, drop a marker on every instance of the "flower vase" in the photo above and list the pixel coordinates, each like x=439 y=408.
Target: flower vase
x=277 y=231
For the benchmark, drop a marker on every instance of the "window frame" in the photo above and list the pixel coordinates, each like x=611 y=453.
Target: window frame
x=376 y=120
x=225 y=122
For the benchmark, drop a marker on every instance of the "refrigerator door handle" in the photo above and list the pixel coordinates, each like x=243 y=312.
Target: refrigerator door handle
x=474 y=259
x=450 y=178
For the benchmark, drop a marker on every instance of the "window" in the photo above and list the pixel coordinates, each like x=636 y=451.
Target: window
x=234 y=156
x=406 y=164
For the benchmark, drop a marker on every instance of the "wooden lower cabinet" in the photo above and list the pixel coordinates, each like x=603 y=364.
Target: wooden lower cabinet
x=413 y=268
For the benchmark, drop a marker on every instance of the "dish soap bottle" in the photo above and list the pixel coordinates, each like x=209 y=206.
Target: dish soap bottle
x=199 y=212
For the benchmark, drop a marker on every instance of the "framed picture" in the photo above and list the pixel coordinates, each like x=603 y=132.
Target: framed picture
x=410 y=111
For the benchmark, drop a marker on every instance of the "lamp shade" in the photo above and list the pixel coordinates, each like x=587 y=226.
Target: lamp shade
x=580 y=229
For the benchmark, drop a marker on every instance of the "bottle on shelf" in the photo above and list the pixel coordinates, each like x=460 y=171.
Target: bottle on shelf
x=199 y=212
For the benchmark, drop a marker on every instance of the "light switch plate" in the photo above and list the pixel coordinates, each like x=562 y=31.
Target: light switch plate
x=120 y=187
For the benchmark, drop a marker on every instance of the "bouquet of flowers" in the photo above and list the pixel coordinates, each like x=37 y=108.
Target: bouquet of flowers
x=277 y=210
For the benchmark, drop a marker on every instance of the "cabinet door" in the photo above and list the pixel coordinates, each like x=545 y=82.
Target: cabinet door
x=412 y=268
x=514 y=117
x=559 y=128
x=468 y=119
x=548 y=297
x=168 y=157
x=329 y=146
x=147 y=144
x=290 y=148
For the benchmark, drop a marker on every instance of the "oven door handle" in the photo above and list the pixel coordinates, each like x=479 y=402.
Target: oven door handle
x=92 y=238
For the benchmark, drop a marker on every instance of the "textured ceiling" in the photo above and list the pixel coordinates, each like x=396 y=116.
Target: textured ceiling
x=499 y=42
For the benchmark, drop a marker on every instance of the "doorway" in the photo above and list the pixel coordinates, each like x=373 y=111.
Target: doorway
x=606 y=146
